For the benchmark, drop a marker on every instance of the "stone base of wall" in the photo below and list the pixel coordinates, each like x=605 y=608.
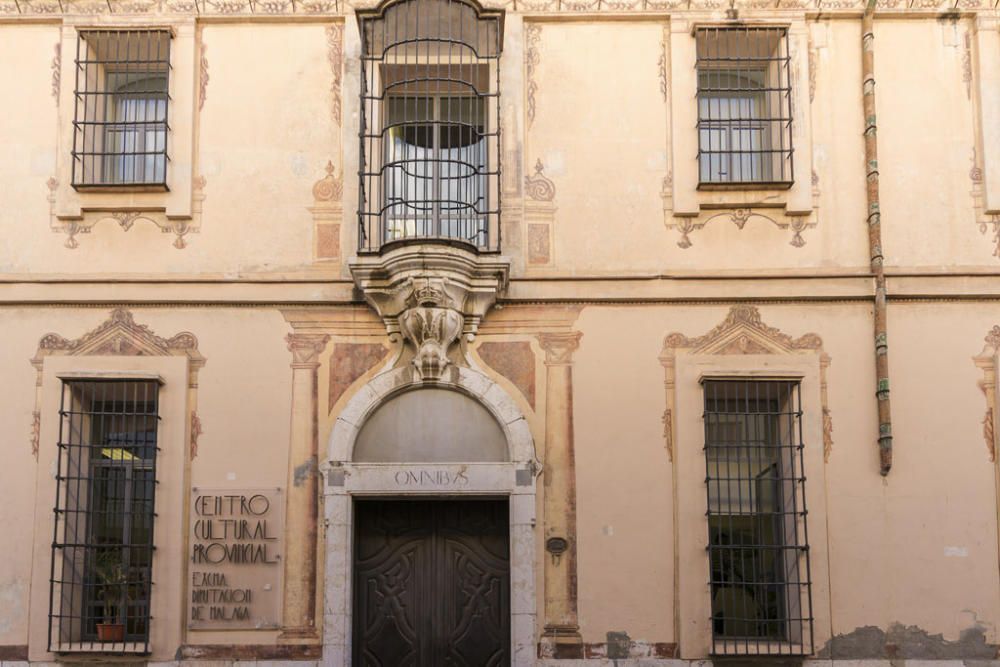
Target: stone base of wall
x=596 y=662
x=764 y=662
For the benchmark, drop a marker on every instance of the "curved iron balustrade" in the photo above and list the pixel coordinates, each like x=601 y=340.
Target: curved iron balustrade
x=430 y=130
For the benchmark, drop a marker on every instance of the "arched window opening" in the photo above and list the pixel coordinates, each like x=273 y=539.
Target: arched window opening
x=431 y=426
x=430 y=134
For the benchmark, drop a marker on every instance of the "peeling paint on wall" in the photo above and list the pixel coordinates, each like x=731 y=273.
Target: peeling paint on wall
x=305 y=471
x=908 y=641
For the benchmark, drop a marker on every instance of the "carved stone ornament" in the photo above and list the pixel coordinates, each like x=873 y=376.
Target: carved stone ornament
x=179 y=226
x=429 y=295
x=742 y=332
x=121 y=335
x=431 y=330
x=739 y=217
x=168 y=8
x=987 y=362
x=985 y=220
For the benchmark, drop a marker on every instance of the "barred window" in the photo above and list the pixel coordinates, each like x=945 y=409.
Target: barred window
x=430 y=159
x=120 y=125
x=102 y=546
x=744 y=106
x=757 y=544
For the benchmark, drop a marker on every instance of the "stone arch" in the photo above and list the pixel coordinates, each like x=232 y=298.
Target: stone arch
x=345 y=478
x=393 y=382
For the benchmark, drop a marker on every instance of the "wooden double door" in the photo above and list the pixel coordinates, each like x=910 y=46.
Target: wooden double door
x=431 y=583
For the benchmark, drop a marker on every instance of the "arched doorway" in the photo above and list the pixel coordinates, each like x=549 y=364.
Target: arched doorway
x=439 y=476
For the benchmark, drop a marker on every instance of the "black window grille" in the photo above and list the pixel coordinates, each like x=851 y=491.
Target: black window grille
x=102 y=544
x=744 y=106
x=120 y=125
x=430 y=131
x=758 y=545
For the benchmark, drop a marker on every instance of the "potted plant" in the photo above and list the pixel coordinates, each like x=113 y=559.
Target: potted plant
x=112 y=589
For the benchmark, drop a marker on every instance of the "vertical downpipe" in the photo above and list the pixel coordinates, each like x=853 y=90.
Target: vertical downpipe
x=875 y=239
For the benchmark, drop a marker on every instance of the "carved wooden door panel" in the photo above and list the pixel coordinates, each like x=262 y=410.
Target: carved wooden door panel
x=431 y=584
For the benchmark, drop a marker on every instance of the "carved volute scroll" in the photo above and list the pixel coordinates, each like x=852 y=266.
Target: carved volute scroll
x=742 y=332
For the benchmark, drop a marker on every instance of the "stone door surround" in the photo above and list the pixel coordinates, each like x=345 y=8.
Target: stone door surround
x=343 y=479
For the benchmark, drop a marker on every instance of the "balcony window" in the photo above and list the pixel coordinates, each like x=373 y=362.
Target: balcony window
x=429 y=129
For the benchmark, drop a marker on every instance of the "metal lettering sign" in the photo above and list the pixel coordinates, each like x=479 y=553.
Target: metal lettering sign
x=235 y=551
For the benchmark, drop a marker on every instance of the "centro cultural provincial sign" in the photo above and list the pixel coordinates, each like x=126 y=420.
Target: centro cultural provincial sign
x=234 y=575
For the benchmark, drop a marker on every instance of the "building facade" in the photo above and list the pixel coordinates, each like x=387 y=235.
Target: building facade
x=545 y=332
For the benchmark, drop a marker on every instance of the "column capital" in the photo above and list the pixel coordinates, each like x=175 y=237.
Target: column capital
x=305 y=348
x=559 y=347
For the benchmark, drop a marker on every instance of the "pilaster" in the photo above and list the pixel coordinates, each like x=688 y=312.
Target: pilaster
x=301 y=509
x=561 y=638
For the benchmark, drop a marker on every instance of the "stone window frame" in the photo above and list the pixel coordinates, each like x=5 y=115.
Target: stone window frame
x=120 y=348
x=688 y=207
x=173 y=472
x=175 y=210
x=742 y=347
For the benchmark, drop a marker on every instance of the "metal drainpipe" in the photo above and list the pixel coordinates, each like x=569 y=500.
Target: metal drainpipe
x=875 y=239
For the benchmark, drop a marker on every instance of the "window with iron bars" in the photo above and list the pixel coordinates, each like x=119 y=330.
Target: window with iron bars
x=744 y=107
x=120 y=125
x=102 y=544
x=430 y=156
x=758 y=545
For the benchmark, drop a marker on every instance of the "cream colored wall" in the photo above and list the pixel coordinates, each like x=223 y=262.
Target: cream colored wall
x=926 y=143
x=243 y=401
x=262 y=139
x=600 y=131
x=891 y=542
x=29 y=131
x=267 y=133
x=267 y=129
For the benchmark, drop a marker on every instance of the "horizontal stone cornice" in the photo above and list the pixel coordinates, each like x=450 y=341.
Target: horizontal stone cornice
x=145 y=10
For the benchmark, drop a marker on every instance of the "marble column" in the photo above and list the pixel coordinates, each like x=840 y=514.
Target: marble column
x=561 y=637
x=301 y=500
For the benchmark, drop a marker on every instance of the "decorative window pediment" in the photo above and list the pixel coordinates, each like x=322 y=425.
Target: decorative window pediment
x=743 y=332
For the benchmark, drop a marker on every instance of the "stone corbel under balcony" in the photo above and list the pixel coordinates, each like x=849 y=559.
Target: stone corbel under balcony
x=431 y=294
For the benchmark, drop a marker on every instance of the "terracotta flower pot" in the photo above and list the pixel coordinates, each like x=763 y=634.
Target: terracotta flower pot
x=110 y=632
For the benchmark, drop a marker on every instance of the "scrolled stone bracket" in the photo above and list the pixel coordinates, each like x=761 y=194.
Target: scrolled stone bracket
x=429 y=295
